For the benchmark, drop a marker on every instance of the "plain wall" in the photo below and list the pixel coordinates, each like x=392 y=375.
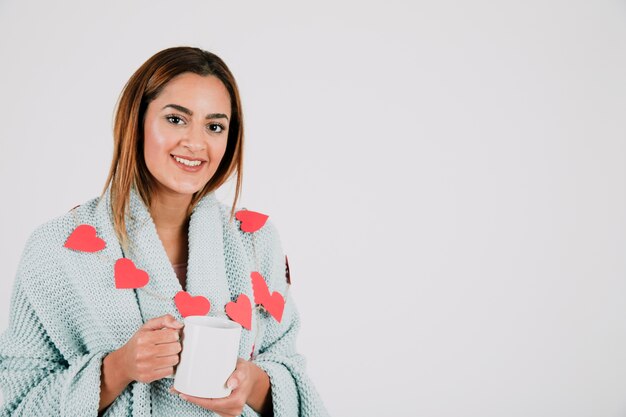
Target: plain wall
x=447 y=178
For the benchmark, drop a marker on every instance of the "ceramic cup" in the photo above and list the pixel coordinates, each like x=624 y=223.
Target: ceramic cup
x=209 y=356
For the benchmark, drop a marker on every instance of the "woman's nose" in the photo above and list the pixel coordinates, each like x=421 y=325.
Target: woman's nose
x=193 y=147
x=194 y=139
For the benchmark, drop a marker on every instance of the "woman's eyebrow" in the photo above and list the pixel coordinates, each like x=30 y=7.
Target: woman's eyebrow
x=190 y=113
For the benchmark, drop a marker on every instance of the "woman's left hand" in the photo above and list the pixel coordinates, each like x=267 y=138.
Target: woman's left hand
x=241 y=381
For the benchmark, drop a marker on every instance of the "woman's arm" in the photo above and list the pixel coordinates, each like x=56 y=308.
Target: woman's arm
x=112 y=381
x=149 y=355
x=292 y=392
x=260 y=399
x=37 y=380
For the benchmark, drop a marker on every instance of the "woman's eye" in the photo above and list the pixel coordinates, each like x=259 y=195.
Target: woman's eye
x=216 y=127
x=175 y=118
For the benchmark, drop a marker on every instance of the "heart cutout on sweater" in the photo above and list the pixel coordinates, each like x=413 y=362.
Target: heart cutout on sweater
x=251 y=221
x=127 y=275
x=274 y=303
x=191 y=306
x=241 y=311
x=84 y=239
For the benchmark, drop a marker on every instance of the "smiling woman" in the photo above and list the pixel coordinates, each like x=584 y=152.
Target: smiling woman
x=188 y=108
x=95 y=324
x=183 y=148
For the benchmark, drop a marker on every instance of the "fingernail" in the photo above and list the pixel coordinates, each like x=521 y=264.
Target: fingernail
x=183 y=396
x=178 y=324
x=231 y=385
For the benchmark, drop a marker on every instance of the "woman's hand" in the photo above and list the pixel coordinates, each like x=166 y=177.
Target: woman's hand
x=249 y=384
x=153 y=351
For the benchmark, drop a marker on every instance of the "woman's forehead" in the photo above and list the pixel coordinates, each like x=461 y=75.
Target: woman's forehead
x=193 y=91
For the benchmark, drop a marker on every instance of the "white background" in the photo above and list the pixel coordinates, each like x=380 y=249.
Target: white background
x=448 y=179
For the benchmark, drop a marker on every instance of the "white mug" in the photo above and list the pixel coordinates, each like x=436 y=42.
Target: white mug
x=210 y=346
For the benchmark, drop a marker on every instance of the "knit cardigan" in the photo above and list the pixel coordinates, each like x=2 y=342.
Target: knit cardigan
x=66 y=314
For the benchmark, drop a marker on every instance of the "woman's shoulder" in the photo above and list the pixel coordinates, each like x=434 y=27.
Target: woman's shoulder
x=61 y=222
x=259 y=235
x=49 y=237
x=249 y=224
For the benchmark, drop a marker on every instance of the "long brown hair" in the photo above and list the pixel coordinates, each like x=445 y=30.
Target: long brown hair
x=128 y=166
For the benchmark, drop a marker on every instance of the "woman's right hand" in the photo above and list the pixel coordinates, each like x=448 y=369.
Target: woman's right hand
x=153 y=351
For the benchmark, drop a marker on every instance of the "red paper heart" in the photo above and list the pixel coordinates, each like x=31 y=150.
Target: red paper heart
x=241 y=311
x=191 y=306
x=274 y=303
x=275 y=306
x=251 y=221
x=127 y=275
x=259 y=288
x=84 y=239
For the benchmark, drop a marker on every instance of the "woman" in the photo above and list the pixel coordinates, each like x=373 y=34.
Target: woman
x=100 y=292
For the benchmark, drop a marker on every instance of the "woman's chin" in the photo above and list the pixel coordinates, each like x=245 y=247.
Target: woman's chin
x=186 y=190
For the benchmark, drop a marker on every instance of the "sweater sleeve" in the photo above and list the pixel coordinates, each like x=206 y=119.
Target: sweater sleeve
x=293 y=393
x=36 y=380
x=38 y=376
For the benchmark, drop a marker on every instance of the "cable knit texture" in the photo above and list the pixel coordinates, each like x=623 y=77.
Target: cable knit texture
x=66 y=313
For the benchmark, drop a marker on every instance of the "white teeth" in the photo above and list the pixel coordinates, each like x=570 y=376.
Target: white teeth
x=187 y=162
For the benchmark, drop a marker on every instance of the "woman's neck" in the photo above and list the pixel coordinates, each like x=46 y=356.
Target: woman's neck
x=169 y=211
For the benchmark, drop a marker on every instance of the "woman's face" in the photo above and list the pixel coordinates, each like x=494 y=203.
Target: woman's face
x=186 y=132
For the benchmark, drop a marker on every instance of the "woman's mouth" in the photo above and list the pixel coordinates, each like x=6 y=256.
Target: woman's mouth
x=188 y=164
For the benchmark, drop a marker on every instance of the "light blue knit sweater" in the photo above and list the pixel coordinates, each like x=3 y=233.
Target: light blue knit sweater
x=66 y=313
